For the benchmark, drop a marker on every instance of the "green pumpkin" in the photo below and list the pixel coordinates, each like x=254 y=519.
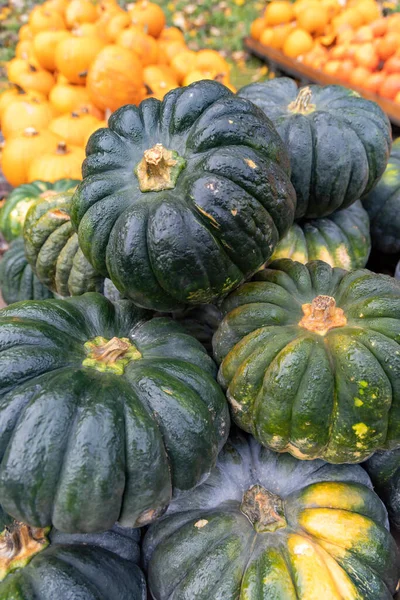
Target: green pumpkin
x=120 y=410
x=384 y=470
x=267 y=526
x=37 y=564
x=383 y=206
x=338 y=142
x=184 y=199
x=341 y=240
x=310 y=359
x=15 y=208
x=52 y=248
x=17 y=280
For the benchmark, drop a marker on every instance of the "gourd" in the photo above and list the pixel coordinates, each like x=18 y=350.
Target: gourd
x=119 y=408
x=310 y=359
x=14 y=210
x=341 y=240
x=52 y=248
x=17 y=280
x=270 y=526
x=183 y=199
x=63 y=161
x=383 y=205
x=44 y=565
x=338 y=142
x=384 y=470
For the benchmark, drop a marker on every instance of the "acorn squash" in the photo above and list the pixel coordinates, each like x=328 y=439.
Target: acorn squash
x=17 y=280
x=341 y=240
x=184 y=199
x=52 y=248
x=19 y=201
x=269 y=526
x=310 y=359
x=384 y=470
x=383 y=206
x=38 y=564
x=338 y=142
x=120 y=410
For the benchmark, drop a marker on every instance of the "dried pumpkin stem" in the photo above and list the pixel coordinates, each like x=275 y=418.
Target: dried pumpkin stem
x=62 y=148
x=110 y=355
x=159 y=169
x=302 y=104
x=263 y=509
x=18 y=544
x=322 y=315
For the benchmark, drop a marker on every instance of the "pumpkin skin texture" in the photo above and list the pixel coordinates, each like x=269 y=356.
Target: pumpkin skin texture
x=229 y=197
x=20 y=200
x=338 y=142
x=17 y=280
x=322 y=533
x=100 y=566
x=52 y=249
x=146 y=404
x=384 y=470
x=383 y=206
x=307 y=376
x=341 y=240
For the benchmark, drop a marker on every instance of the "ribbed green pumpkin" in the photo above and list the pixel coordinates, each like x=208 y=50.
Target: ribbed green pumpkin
x=272 y=527
x=384 y=470
x=338 y=142
x=310 y=359
x=119 y=409
x=52 y=248
x=341 y=240
x=17 y=280
x=39 y=565
x=184 y=199
x=15 y=208
x=383 y=206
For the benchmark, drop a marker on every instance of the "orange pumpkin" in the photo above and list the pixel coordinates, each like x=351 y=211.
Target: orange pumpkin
x=392 y=65
x=167 y=51
x=257 y=28
x=397 y=98
x=345 y=69
x=117 y=24
x=15 y=67
x=331 y=67
x=67 y=97
x=278 y=12
x=171 y=34
x=158 y=81
x=73 y=128
x=297 y=43
x=57 y=5
x=75 y=55
x=24 y=49
x=379 y=27
x=149 y=15
x=13 y=93
x=359 y=76
x=37 y=80
x=365 y=56
x=374 y=82
x=313 y=19
x=44 y=46
x=183 y=63
x=211 y=60
x=63 y=161
x=386 y=46
x=42 y=19
x=25 y=33
x=363 y=35
x=22 y=114
x=141 y=44
x=19 y=152
x=80 y=11
x=393 y=23
x=267 y=38
x=115 y=78
x=390 y=86
x=105 y=18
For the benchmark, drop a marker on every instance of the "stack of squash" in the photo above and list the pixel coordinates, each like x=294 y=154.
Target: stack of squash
x=116 y=404
x=76 y=62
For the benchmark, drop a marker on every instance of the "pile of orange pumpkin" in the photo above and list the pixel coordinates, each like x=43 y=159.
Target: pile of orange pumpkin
x=76 y=62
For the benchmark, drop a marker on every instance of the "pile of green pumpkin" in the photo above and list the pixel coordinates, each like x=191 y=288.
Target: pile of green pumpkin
x=199 y=378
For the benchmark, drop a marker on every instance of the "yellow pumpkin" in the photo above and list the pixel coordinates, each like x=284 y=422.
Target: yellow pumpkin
x=80 y=11
x=13 y=93
x=75 y=54
x=183 y=63
x=115 y=78
x=74 y=127
x=15 y=67
x=66 y=97
x=62 y=162
x=149 y=15
x=37 y=80
x=21 y=114
x=42 y=19
x=140 y=43
x=44 y=45
x=19 y=152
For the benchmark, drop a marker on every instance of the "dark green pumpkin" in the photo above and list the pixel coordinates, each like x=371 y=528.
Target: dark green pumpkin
x=119 y=409
x=338 y=142
x=52 y=248
x=57 y=566
x=384 y=470
x=267 y=526
x=341 y=240
x=16 y=206
x=310 y=359
x=184 y=199
x=383 y=206
x=17 y=280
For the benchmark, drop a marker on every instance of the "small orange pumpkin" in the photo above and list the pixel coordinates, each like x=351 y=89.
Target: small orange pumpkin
x=37 y=80
x=211 y=60
x=44 y=46
x=25 y=33
x=66 y=97
x=257 y=28
x=374 y=81
x=24 y=49
x=42 y=19
x=117 y=24
x=387 y=45
x=57 y=5
x=14 y=93
x=171 y=34
x=19 y=115
x=366 y=56
x=278 y=12
x=392 y=65
x=149 y=15
x=141 y=44
x=14 y=68
x=74 y=127
x=183 y=63
x=75 y=55
x=390 y=87
x=115 y=78
x=359 y=76
x=167 y=51
x=19 y=152
x=62 y=162
x=159 y=81
x=80 y=11
x=313 y=19
x=297 y=43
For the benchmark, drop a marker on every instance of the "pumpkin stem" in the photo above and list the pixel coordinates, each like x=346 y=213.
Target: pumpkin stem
x=159 y=169
x=30 y=132
x=263 y=509
x=18 y=544
x=322 y=315
x=110 y=355
x=62 y=148
x=302 y=103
